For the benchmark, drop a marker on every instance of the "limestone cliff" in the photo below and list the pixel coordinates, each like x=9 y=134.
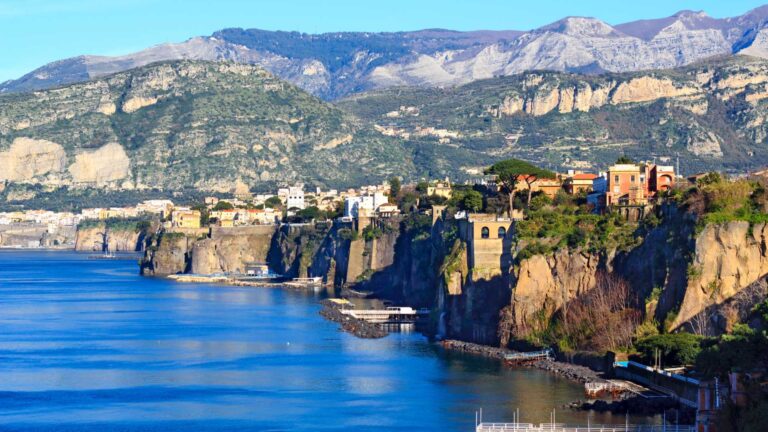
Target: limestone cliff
x=117 y=240
x=229 y=250
x=167 y=254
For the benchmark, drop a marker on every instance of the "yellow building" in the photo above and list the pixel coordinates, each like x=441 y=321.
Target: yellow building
x=226 y=218
x=440 y=188
x=185 y=218
x=489 y=245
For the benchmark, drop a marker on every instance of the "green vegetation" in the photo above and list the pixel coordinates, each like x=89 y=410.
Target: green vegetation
x=569 y=222
x=223 y=205
x=116 y=224
x=674 y=349
x=510 y=172
x=717 y=200
x=273 y=202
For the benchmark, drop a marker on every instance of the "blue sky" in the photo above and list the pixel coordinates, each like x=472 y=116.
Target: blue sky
x=35 y=32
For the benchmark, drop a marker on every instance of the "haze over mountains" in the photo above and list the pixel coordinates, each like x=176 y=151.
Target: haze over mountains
x=335 y=65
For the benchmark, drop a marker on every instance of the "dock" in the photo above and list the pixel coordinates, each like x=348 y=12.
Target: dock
x=390 y=315
x=560 y=427
x=529 y=357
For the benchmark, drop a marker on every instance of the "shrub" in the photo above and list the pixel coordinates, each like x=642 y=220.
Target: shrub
x=675 y=349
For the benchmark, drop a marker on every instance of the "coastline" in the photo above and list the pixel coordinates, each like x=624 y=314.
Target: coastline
x=580 y=374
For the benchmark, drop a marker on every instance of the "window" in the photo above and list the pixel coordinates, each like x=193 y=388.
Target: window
x=502 y=232
x=616 y=178
x=631 y=179
x=485 y=233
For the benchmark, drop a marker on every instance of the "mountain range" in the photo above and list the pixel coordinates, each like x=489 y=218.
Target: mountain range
x=335 y=65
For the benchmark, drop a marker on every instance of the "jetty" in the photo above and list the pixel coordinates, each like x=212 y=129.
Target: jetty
x=517 y=358
x=390 y=315
x=561 y=427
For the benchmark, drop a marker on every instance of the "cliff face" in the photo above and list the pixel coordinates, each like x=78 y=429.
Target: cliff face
x=93 y=239
x=167 y=254
x=727 y=259
x=228 y=250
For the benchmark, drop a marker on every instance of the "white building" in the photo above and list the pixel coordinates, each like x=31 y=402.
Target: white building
x=294 y=197
x=371 y=202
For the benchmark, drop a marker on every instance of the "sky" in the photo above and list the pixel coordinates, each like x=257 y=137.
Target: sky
x=36 y=32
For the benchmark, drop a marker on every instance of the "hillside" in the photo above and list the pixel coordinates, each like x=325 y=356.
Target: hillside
x=712 y=115
x=334 y=65
x=187 y=124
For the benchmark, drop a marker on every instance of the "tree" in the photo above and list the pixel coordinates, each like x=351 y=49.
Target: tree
x=204 y=215
x=308 y=214
x=223 y=205
x=394 y=188
x=273 y=202
x=511 y=171
x=472 y=201
x=624 y=159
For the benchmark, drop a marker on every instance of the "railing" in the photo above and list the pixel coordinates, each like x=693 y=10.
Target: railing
x=560 y=427
x=528 y=356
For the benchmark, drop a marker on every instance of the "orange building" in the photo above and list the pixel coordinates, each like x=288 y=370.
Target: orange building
x=636 y=184
x=579 y=182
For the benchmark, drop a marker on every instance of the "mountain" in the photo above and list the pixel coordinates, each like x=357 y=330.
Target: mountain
x=334 y=65
x=214 y=126
x=710 y=115
x=183 y=124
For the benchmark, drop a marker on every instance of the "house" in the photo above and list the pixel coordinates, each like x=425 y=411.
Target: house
x=266 y=216
x=158 y=207
x=387 y=210
x=368 y=201
x=225 y=218
x=185 y=218
x=549 y=187
x=636 y=184
x=292 y=196
x=440 y=188
x=577 y=183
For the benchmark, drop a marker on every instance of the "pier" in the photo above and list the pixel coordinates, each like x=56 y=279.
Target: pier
x=390 y=315
x=527 y=357
x=560 y=427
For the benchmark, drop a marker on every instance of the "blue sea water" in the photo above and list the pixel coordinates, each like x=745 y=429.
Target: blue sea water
x=88 y=345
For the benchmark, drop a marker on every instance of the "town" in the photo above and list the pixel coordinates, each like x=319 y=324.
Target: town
x=626 y=186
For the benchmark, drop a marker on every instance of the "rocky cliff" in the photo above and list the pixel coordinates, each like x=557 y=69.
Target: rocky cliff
x=116 y=240
x=583 y=121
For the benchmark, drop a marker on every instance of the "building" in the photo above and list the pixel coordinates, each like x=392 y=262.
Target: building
x=637 y=184
x=292 y=196
x=225 y=218
x=440 y=188
x=369 y=201
x=266 y=216
x=161 y=208
x=387 y=210
x=547 y=186
x=488 y=244
x=577 y=183
x=185 y=218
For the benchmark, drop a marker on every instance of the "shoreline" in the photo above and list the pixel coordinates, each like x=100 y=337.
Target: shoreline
x=580 y=374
